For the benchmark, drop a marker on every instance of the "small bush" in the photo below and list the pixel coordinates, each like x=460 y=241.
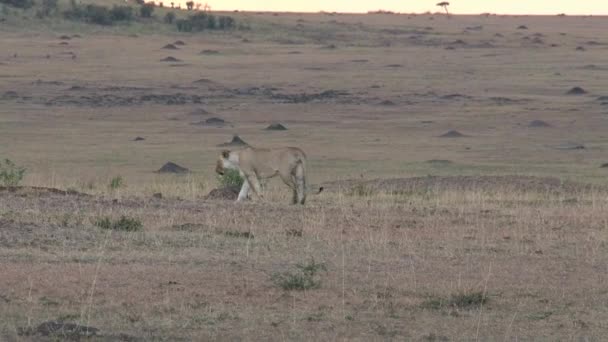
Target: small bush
x=304 y=277
x=169 y=18
x=47 y=8
x=231 y=178
x=203 y=21
x=145 y=11
x=460 y=301
x=11 y=174
x=100 y=15
x=361 y=190
x=116 y=182
x=121 y=13
x=184 y=25
x=225 y=23
x=125 y=224
x=24 y=4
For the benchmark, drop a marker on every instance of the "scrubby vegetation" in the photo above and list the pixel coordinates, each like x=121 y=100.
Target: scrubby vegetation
x=126 y=224
x=11 y=174
x=203 y=21
x=231 y=178
x=97 y=14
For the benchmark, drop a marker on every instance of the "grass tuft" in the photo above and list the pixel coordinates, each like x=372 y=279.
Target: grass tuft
x=304 y=277
x=125 y=224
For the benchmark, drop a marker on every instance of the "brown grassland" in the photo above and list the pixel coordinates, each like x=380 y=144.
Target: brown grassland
x=498 y=234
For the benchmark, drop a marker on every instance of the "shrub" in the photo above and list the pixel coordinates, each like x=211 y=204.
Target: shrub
x=203 y=21
x=125 y=224
x=184 y=25
x=11 y=174
x=169 y=18
x=121 y=13
x=19 y=3
x=302 y=278
x=462 y=301
x=226 y=23
x=116 y=182
x=145 y=11
x=100 y=15
x=48 y=7
x=231 y=178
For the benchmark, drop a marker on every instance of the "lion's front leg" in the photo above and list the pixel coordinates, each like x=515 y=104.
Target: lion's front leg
x=244 y=191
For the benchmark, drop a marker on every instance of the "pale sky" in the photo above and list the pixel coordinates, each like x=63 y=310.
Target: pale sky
x=594 y=7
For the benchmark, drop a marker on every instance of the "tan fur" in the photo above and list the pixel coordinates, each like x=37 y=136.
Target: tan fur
x=258 y=164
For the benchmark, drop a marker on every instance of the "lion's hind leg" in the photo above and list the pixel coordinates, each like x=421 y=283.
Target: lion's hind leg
x=289 y=180
x=299 y=176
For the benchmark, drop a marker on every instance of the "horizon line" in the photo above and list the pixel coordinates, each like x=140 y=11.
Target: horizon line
x=388 y=12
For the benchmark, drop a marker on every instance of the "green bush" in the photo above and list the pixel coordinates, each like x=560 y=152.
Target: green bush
x=19 y=3
x=226 y=23
x=47 y=8
x=11 y=174
x=184 y=25
x=145 y=11
x=304 y=277
x=231 y=178
x=203 y=21
x=121 y=13
x=116 y=182
x=100 y=15
x=464 y=301
x=169 y=18
x=125 y=224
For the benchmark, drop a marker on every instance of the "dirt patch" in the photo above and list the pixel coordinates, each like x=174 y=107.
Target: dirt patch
x=209 y=52
x=139 y=139
x=475 y=183
x=455 y=97
x=65 y=37
x=199 y=111
x=394 y=66
x=236 y=141
x=387 y=103
x=58 y=329
x=439 y=162
x=170 y=59
x=522 y=27
x=276 y=127
x=179 y=43
x=580 y=48
x=538 y=124
x=570 y=146
x=227 y=193
x=170 y=47
x=35 y=191
x=212 y=122
x=171 y=167
x=96 y=99
x=453 y=134
x=576 y=91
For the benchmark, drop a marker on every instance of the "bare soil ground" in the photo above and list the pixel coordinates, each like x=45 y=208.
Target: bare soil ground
x=500 y=233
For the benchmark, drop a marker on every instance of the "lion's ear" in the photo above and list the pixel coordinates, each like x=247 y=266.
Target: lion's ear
x=225 y=154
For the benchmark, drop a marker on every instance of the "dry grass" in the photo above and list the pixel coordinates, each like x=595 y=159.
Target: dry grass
x=430 y=263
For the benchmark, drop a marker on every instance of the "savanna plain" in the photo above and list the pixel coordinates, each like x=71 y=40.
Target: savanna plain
x=464 y=197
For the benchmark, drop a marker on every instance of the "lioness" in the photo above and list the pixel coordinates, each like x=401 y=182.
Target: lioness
x=256 y=164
